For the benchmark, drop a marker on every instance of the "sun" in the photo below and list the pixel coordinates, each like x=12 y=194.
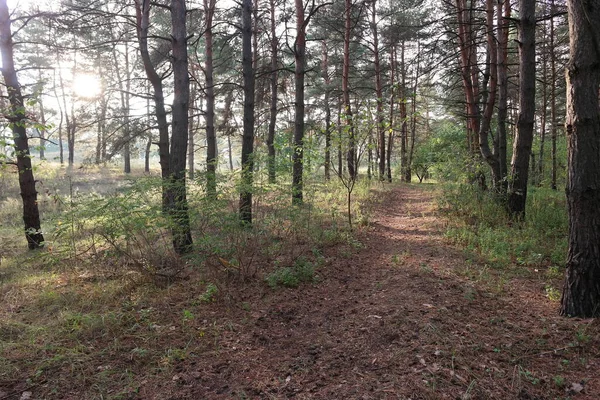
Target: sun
x=87 y=86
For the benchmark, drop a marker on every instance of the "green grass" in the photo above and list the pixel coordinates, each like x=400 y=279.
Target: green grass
x=482 y=226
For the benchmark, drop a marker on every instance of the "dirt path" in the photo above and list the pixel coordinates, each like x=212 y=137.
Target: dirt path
x=405 y=316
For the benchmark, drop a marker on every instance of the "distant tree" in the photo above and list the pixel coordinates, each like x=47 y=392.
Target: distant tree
x=18 y=120
x=581 y=289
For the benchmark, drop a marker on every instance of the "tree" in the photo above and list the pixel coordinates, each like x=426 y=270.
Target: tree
x=248 y=130
x=273 y=82
x=519 y=173
x=211 y=138
x=581 y=289
x=298 y=150
x=18 y=120
x=173 y=154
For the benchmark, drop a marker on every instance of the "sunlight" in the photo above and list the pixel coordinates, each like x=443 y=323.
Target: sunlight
x=87 y=86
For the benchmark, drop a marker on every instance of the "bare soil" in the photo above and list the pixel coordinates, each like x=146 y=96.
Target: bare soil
x=403 y=315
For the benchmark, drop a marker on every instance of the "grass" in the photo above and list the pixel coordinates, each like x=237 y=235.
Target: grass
x=538 y=245
x=107 y=303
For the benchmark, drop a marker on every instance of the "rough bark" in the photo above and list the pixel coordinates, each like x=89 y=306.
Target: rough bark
x=581 y=289
x=178 y=207
x=517 y=196
x=18 y=119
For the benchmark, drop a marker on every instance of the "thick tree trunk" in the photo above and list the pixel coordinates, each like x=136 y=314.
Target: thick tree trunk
x=18 y=120
x=248 y=134
x=211 y=138
x=517 y=196
x=176 y=194
x=581 y=290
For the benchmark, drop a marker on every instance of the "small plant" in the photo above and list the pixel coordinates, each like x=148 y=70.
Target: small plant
x=559 y=381
x=552 y=293
x=210 y=293
x=291 y=277
x=187 y=315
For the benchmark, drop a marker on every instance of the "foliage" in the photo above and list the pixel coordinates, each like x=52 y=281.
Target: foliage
x=302 y=271
x=481 y=225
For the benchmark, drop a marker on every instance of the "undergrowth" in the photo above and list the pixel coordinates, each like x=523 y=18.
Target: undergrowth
x=479 y=222
x=108 y=294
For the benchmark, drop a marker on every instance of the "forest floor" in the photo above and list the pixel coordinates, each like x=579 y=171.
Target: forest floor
x=403 y=314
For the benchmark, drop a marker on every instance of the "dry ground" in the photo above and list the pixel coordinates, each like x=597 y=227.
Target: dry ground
x=402 y=314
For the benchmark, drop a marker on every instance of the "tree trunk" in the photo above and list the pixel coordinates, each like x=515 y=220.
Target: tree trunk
x=191 y=159
x=500 y=139
x=379 y=94
x=581 y=289
x=248 y=134
x=273 y=109
x=390 y=142
x=491 y=157
x=553 y=77
x=327 y=106
x=211 y=138
x=351 y=156
x=404 y=177
x=517 y=197
x=298 y=148
x=178 y=207
x=142 y=25
x=18 y=119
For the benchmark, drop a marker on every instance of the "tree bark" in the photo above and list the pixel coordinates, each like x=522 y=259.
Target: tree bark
x=178 y=206
x=327 y=80
x=211 y=138
x=298 y=149
x=490 y=156
x=379 y=94
x=581 y=289
x=351 y=155
x=248 y=133
x=517 y=196
x=553 y=118
x=18 y=120
x=273 y=109
x=142 y=25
